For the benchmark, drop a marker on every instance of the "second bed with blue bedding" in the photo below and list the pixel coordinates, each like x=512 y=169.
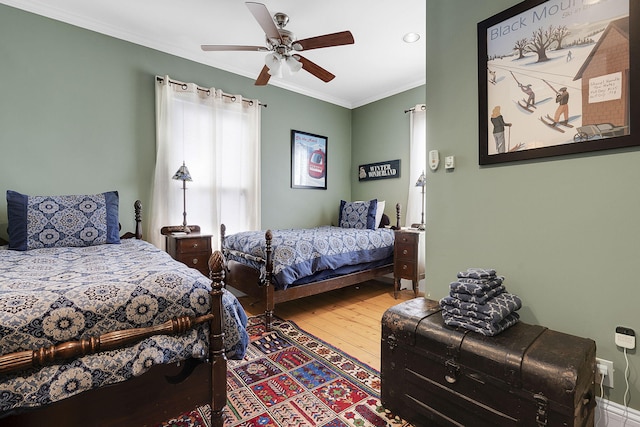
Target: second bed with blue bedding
x=306 y=255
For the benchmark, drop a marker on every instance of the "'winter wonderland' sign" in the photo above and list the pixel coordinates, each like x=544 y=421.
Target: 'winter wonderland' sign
x=382 y=170
x=557 y=75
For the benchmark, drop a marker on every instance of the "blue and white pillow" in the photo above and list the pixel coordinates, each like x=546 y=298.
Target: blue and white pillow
x=62 y=221
x=360 y=215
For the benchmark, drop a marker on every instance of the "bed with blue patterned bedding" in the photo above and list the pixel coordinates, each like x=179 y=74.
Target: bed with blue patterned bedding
x=54 y=295
x=302 y=256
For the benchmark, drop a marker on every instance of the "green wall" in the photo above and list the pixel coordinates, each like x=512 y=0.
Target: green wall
x=77 y=116
x=563 y=231
x=381 y=133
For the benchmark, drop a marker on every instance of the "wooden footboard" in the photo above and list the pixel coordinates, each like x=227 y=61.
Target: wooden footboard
x=163 y=392
x=248 y=280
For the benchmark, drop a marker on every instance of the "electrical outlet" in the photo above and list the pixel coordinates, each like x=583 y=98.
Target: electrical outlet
x=604 y=372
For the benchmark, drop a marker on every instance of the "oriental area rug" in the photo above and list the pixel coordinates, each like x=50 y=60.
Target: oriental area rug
x=289 y=377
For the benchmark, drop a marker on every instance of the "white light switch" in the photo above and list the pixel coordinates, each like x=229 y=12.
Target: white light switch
x=449 y=162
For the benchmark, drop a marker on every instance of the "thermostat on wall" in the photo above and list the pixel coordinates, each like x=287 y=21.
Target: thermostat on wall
x=434 y=159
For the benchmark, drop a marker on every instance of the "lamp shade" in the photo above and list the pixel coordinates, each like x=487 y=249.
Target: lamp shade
x=281 y=64
x=273 y=61
x=182 y=174
x=293 y=64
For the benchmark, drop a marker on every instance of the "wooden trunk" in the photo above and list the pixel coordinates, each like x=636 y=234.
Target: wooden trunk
x=528 y=375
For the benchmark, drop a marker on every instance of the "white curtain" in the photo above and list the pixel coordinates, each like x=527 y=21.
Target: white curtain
x=417 y=163
x=217 y=136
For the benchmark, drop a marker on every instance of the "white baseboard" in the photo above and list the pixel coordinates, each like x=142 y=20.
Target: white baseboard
x=611 y=414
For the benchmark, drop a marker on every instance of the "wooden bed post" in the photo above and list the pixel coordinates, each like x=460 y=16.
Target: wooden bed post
x=398 y=216
x=217 y=355
x=137 y=207
x=270 y=304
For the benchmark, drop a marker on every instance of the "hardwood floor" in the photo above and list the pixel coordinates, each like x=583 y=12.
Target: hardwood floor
x=349 y=318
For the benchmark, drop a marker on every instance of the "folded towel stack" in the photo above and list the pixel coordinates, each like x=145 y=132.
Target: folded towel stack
x=478 y=301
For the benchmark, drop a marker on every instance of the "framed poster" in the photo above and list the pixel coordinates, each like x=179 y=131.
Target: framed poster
x=308 y=160
x=555 y=79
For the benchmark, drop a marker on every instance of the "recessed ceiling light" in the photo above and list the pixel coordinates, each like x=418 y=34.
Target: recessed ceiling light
x=411 y=37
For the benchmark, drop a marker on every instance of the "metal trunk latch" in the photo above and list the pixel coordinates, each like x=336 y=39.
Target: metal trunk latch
x=541 y=413
x=451 y=376
x=451 y=367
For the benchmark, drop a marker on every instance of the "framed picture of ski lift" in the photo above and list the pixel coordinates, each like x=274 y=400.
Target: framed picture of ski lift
x=308 y=160
x=555 y=79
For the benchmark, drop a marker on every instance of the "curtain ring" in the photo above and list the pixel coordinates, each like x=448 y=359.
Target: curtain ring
x=233 y=98
x=184 y=86
x=251 y=103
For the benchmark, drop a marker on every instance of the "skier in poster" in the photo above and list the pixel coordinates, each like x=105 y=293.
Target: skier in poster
x=531 y=96
x=531 y=100
x=498 y=129
x=493 y=76
x=562 y=99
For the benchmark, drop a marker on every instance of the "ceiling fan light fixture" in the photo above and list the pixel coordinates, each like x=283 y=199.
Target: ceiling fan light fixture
x=293 y=64
x=273 y=61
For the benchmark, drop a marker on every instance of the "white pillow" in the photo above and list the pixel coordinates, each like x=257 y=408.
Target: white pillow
x=379 y=212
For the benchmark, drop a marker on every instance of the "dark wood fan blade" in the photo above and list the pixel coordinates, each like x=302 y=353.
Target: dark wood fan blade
x=315 y=69
x=262 y=15
x=264 y=76
x=217 y=47
x=328 y=40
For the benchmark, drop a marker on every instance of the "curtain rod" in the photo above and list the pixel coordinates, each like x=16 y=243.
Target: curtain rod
x=226 y=95
x=423 y=107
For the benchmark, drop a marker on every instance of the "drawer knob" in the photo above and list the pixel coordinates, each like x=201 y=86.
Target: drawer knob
x=404 y=252
x=404 y=266
x=195 y=245
x=195 y=261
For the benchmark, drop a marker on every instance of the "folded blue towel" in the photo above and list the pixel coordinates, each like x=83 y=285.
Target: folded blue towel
x=494 y=310
x=478 y=299
x=475 y=286
x=485 y=328
x=477 y=273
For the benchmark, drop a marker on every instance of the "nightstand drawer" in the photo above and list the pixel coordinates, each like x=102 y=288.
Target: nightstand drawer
x=405 y=269
x=196 y=260
x=407 y=238
x=193 y=245
x=406 y=251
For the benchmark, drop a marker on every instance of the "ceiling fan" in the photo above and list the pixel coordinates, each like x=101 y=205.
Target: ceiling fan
x=283 y=47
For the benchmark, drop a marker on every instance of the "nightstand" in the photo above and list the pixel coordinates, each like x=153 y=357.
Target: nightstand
x=407 y=258
x=192 y=249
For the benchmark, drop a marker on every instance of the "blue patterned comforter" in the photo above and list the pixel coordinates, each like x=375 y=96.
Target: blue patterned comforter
x=48 y=296
x=302 y=253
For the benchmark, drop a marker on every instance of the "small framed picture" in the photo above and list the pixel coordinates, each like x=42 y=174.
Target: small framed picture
x=308 y=160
